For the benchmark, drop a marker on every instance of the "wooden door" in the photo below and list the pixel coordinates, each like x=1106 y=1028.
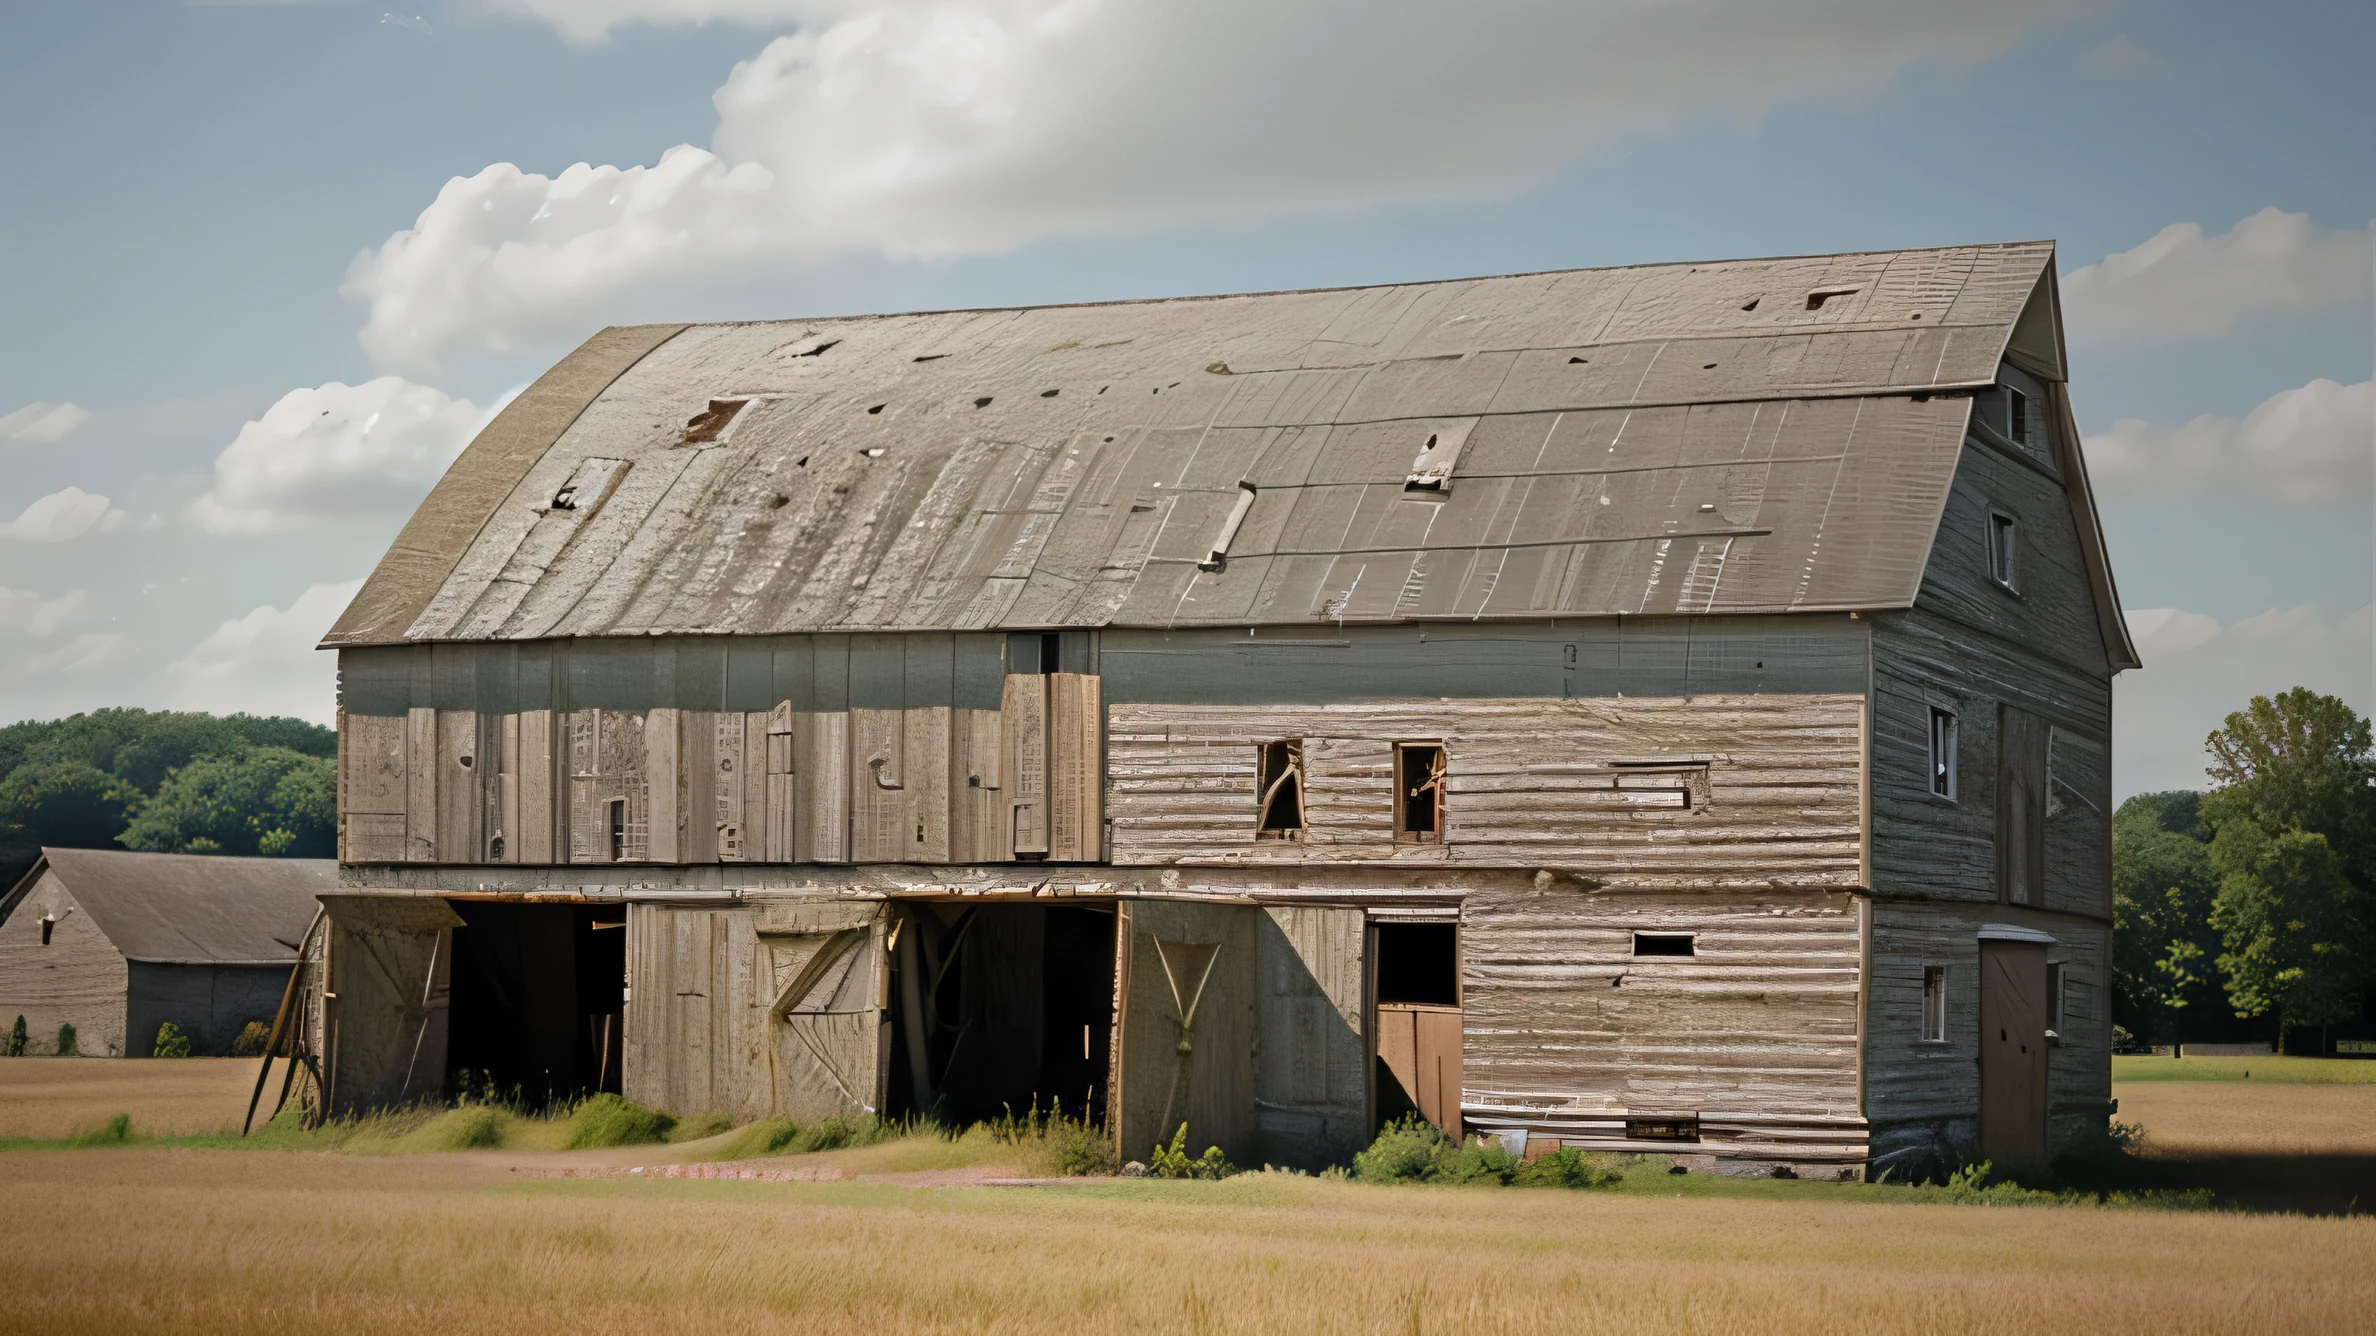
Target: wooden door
x=387 y=992
x=1420 y=1045
x=1186 y=991
x=2013 y=1055
x=1311 y=1076
x=823 y=970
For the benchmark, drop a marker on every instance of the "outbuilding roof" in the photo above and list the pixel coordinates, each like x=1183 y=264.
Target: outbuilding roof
x=191 y=909
x=1743 y=437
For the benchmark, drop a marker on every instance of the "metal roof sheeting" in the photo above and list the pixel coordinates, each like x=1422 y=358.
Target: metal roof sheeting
x=194 y=908
x=1754 y=436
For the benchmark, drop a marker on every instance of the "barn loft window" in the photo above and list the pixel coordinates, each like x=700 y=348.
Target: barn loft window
x=1281 y=777
x=1942 y=754
x=2016 y=416
x=2056 y=978
x=710 y=423
x=47 y=923
x=1934 y=1004
x=1418 y=964
x=2003 y=550
x=1419 y=792
x=1665 y=944
x=616 y=809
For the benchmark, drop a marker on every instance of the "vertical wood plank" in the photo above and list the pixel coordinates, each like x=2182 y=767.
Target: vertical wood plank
x=664 y=778
x=879 y=800
x=927 y=775
x=1076 y=791
x=1023 y=714
x=420 y=785
x=507 y=796
x=822 y=788
x=978 y=827
x=781 y=798
x=586 y=836
x=371 y=815
x=538 y=817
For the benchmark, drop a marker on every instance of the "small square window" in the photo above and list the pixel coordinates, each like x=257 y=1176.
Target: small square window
x=1942 y=754
x=2056 y=981
x=1934 y=1004
x=1280 y=773
x=1419 y=792
x=1664 y=944
x=2004 y=550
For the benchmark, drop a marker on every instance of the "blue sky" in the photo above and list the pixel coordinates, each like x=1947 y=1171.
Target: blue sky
x=192 y=186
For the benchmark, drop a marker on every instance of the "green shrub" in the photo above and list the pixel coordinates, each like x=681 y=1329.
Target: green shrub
x=470 y=1127
x=171 y=1042
x=1413 y=1150
x=607 y=1120
x=1567 y=1167
x=114 y=1132
x=67 y=1049
x=17 y=1039
x=251 y=1041
x=765 y=1137
x=836 y=1132
x=1173 y=1161
x=702 y=1125
x=1057 y=1144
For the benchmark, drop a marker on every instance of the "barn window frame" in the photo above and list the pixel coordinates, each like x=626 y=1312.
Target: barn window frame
x=2004 y=549
x=1934 y=1004
x=1939 y=750
x=1280 y=790
x=2058 y=983
x=614 y=816
x=1408 y=792
x=1658 y=945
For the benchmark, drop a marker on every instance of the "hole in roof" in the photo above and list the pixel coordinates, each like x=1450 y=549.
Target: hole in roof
x=1109 y=440
x=1819 y=296
x=1579 y=361
x=777 y=500
x=878 y=408
x=1707 y=366
x=710 y=423
x=566 y=498
x=1047 y=394
x=819 y=350
x=801 y=462
x=1706 y=506
x=1173 y=386
x=983 y=402
x=932 y=357
x=1752 y=304
x=1916 y=316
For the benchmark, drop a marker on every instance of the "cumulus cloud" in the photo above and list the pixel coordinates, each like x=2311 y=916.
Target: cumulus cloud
x=328 y=456
x=2184 y=284
x=23 y=612
x=2197 y=672
x=2306 y=446
x=593 y=20
x=265 y=662
x=39 y=423
x=62 y=515
x=945 y=128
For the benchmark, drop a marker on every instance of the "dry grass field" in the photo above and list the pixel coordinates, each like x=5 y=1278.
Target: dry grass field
x=181 y=1240
x=195 y=1238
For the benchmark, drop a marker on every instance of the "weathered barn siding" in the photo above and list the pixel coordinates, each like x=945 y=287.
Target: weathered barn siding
x=1570 y=1034
x=1666 y=793
x=78 y=979
x=386 y=988
x=1189 y=989
x=211 y=1003
x=1311 y=1075
x=1922 y=1097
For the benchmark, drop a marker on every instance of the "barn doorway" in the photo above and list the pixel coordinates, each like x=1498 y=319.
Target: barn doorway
x=537 y=995
x=1416 y=1024
x=2013 y=1054
x=1000 y=1007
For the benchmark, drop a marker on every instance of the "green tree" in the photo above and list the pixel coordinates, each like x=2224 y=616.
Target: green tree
x=2163 y=886
x=171 y=1042
x=2295 y=850
x=261 y=800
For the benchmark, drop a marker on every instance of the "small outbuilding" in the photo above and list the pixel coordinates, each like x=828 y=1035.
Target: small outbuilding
x=117 y=943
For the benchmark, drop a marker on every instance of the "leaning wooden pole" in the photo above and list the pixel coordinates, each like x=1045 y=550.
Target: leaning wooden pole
x=280 y=1021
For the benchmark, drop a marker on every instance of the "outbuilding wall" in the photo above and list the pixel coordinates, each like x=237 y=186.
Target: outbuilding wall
x=78 y=979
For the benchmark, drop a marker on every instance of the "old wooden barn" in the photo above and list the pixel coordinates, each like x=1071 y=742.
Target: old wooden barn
x=1659 y=709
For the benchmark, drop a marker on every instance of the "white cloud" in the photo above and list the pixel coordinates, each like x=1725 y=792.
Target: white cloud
x=92 y=649
x=324 y=457
x=2197 y=672
x=265 y=662
x=593 y=20
x=23 y=612
x=2183 y=284
x=40 y=423
x=62 y=515
x=944 y=128
x=2307 y=446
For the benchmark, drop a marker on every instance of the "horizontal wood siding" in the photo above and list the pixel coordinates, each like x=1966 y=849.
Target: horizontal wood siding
x=1567 y=1029
x=1532 y=783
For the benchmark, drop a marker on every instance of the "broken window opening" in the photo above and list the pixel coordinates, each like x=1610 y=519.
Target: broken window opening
x=618 y=829
x=1681 y=1127
x=1942 y=754
x=1934 y=1004
x=1419 y=792
x=1665 y=944
x=709 y=424
x=2003 y=550
x=1419 y=964
x=1280 y=774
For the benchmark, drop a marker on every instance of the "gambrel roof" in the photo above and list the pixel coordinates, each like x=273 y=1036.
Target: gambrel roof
x=1742 y=437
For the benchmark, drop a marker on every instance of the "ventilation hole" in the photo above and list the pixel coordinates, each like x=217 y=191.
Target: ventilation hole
x=1707 y=366
x=801 y=462
x=1579 y=361
x=1916 y=316
x=777 y=501
x=983 y=402
x=1109 y=440
x=464 y=760
x=1047 y=394
x=878 y=408
x=932 y=357
x=1752 y=304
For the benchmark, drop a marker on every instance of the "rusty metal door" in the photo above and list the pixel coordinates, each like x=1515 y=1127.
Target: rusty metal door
x=2013 y=1055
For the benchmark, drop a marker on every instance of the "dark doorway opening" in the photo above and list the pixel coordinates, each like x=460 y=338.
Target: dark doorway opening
x=1416 y=1024
x=537 y=996
x=999 y=1008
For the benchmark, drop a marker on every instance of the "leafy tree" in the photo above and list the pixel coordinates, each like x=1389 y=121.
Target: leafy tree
x=261 y=800
x=2163 y=886
x=2295 y=851
x=68 y=802
x=67 y=1043
x=14 y=1046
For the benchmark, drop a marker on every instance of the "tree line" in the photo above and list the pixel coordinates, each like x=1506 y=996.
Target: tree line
x=2252 y=902
x=169 y=782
